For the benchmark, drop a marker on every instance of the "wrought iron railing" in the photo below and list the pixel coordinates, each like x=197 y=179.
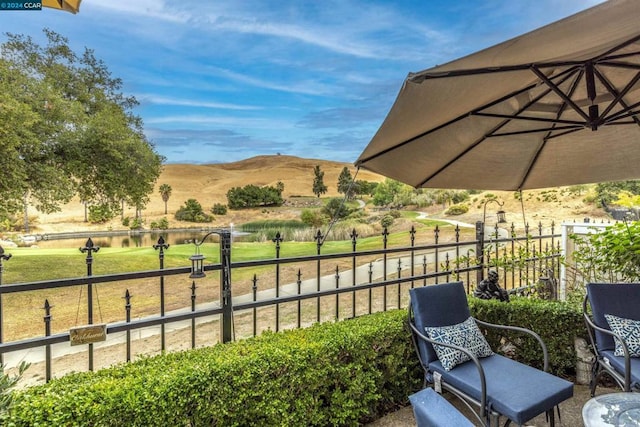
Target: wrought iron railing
x=174 y=310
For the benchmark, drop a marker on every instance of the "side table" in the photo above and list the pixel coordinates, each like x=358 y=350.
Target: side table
x=612 y=410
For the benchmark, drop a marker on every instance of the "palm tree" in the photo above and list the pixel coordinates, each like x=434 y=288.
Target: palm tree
x=165 y=192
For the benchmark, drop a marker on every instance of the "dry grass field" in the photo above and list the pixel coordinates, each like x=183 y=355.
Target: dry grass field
x=209 y=184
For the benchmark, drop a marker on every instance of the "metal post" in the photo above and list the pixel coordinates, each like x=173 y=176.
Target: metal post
x=127 y=309
x=89 y=249
x=193 y=308
x=299 y=283
x=225 y=281
x=162 y=246
x=412 y=232
x=318 y=238
x=277 y=239
x=480 y=250
x=197 y=271
x=354 y=241
x=385 y=234
x=47 y=332
x=3 y=257
x=254 y=289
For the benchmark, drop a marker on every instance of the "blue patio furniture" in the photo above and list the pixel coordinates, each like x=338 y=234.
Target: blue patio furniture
x=432 y=410
x=490 y=384
x=620 y=302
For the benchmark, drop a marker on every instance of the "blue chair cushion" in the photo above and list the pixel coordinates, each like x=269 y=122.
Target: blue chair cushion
x=515 y=390
x=466 y=335
x=617 y=363
x=628 y=330
x=432 y=410
x=429 y=314
x=619 y=299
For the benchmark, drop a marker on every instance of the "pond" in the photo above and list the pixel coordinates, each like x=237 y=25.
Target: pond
x=106 y=239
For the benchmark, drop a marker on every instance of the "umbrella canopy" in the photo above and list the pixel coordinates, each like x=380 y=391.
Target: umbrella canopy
x=72 y=6
x=556 y=106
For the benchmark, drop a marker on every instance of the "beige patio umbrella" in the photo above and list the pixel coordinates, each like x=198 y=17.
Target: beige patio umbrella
x=72 y=6
x=556 y=106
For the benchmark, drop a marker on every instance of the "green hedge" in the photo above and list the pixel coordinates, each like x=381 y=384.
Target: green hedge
x=342 y=373
x=557 y=323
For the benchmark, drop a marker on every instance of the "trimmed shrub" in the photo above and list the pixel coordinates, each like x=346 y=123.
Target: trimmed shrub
x=457 y=210
x=344 y=373
x=558 y=324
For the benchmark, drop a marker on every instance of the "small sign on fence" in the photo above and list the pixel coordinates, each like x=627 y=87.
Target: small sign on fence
x=88 y=334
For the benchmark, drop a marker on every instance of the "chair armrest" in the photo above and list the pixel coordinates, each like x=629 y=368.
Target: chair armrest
x=625 y=348
x=483 y=383
x=523 y=330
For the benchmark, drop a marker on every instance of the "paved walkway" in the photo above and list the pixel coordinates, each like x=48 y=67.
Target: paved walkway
x=570 y=411
x=309 y=286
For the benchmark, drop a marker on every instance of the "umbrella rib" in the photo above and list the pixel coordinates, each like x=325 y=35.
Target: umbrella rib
x=549 y=129
x=421 y=76
x=617 y=48
x=529 y=118
x=543 y=142
x=562 y=134
x=619 y=96
x=629 y=112
x=627 y=108
x=625 y=65
x=495 y=129
x=559 y=92
x=564 y=75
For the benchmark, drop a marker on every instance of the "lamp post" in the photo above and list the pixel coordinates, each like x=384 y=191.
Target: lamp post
x=501 y=214
x=480 y=232
x=197 y=272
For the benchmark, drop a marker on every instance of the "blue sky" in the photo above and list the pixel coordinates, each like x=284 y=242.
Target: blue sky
x=221 y=81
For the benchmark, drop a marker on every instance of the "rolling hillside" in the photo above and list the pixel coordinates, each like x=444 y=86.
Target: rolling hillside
x=209 y=184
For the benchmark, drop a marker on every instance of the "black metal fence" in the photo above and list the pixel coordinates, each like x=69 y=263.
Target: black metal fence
x=169 y=309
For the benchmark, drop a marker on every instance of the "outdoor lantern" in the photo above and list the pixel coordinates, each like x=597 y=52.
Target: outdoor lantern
x=197 y=266
x=501 y=213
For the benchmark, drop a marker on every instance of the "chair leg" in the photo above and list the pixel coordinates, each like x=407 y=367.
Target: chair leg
x=551 y=417
x=594 y=377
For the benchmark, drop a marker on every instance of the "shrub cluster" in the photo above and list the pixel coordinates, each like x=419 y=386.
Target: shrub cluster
x=343 y=373
x=252 y=196
x=557 y=323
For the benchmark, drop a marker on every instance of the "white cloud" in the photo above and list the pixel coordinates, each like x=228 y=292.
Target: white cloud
x=224 y=121
x=155 y=9
x=165 y=100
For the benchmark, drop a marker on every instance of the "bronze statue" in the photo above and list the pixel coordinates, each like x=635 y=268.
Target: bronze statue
x=490 y=289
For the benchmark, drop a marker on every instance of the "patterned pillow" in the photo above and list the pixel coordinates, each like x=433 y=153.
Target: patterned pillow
x=466 y=335
x=629 y=331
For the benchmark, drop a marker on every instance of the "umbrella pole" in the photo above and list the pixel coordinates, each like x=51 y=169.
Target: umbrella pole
x=524 y=219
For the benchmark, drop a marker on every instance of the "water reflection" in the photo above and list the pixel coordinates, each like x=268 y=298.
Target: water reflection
x=137 y=240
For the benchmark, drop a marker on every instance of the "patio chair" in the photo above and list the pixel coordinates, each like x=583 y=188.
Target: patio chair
x=490 y=384
x=615 y=312
x=432 y=410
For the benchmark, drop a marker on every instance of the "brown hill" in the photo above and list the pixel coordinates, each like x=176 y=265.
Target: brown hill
x=208 y=184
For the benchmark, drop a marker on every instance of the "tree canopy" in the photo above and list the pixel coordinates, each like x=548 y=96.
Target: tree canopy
x=319 y=188
x=67 y=130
